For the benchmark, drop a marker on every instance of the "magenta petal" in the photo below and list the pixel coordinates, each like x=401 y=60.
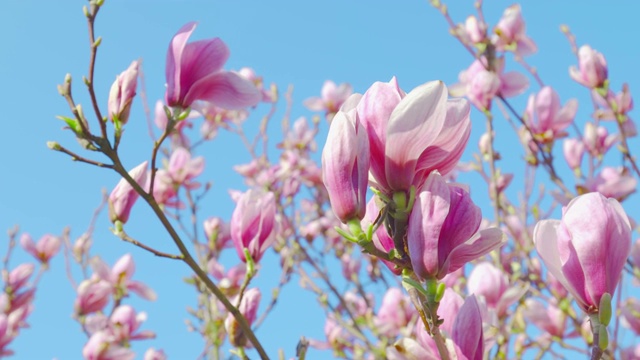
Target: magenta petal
x=174 y=61
x=413 y=126
x=467 y=330
x=513 y=83
x=225 y=89
x=374 y=111
x=200 y=59
x=142 y=290
x=481 y=244
x=425 y=224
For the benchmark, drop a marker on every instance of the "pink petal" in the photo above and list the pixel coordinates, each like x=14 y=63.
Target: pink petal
x=513 y=83
x=142 y=290
x=200 y=59
x=481 y=244
x=314 y=104
x=225 y=89
x=412 y=127
x=174 y=61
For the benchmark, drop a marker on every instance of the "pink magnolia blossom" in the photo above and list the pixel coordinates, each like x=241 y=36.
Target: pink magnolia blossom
x=350 y=266
x=19 y=276
x=467 y=332
x=300 y=136
x=345 y=163
x=592 y=69
x=120 y=277
x=268 y=95
x=510 y=33
x=395 y=313
x=217 y=233
x=153 y=354
x=124 y=324
x=332 y=98
x=612 y=182
x=573 y=150
x=443 y=231
x=544 y=116
x=412 y=134
x=587 y=249
x=635 y=253
x=253 y=223
x=473 y=31
x=123 y=196
x=182 y=169
x=101 y=346
x=93 y=295
x=194 y=72
x=216 y=118
x=597 y=141
x=623 y=103
x=178 y=136
x=481 y=85
x=122 y=93
x=249 y=309
x=488 y=281
x=44 y=250
x=448 y=309
x=546 y=317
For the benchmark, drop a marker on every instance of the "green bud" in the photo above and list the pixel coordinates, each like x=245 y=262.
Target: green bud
x=53 y=145
x=400 y=199
x=97 y=42
x=603 y=337
x=440 y=291
x=604 y=310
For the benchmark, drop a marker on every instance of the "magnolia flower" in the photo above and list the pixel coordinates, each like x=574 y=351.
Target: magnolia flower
x=253 y=223
x=194 y=72
x=612 y=182
x=488 y=281
x=544 y=116
x=395 y=313
x=587 y=249
x=547 y=317
x=123 y=196
x=44 y=249
x=332 y=98
x=510 y=32
x=345 y=163
x=120 y=277
x=412 y=134
x=443 y=232
x=481 y=85
x=122 y=93
x=249 y=309
x=592 y=69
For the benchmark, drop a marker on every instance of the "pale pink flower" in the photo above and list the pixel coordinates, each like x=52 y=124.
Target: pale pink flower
x=216 y=117
x=331 y=99
x=345 y=163
x=44 y=250
x=544 y=116
x=124 y=325
x=510 y=33
x=19 y=276
x=194 y=72
x=597 y=141
x=217 y=233
x=350 y=266
x=592 y=71
x=488 y=281
x=101 y=346
x=622 y=101
x=120 y=277
x=409 y=349
x=300 y=137
x=395 y=313
x=123 y=196
x=573 y=150
x=630 y=353
x=153 y=354
x=93 y=295
x=253 y=223
x=473 y=31
x=587 y=249
x=443 y=231
x=182 y=169
x=481 y=85
x=164 y=191
x=546 y=317
x=612 y=182
x=631 y=314
x=122 y=93
x=268 y=95
x=412 y=134
x=249 y=309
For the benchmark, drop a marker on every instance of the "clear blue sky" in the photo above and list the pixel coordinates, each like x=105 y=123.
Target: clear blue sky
x=288 y=42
